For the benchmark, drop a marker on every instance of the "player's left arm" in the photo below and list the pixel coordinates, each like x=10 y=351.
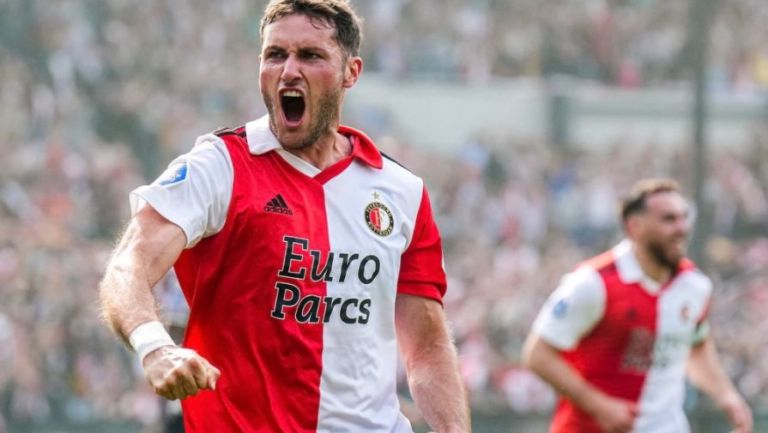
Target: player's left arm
x=707 y=374
x=430 y=357
x=431 y=364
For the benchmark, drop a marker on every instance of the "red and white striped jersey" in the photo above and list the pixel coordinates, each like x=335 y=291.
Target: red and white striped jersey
x=291 y=275
x=628 y=336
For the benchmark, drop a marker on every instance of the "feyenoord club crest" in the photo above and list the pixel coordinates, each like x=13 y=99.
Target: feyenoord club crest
x=685 y=313
x=379 y=217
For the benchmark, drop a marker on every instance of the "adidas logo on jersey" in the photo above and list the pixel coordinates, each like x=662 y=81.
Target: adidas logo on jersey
x=278 y=205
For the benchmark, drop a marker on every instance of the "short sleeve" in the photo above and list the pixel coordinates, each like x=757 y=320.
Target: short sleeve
x=572 y=310
x=701 y=329
x=421 y=265
x=194 y=191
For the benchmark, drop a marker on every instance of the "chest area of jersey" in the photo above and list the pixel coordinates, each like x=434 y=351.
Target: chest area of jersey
x=652 y=331
x=317 y=252
x=349 y=234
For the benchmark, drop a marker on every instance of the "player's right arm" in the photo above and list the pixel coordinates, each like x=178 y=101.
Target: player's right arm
x=185 y=204
x=145 y=253
x=568 y=315
x=150 y=246
x=610 y=413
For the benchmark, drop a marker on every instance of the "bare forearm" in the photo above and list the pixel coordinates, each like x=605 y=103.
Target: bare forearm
x=144 y=255
x=126 y=296
x=547 y=363
x=437 y=389
x=706 y=372
x=431 y=364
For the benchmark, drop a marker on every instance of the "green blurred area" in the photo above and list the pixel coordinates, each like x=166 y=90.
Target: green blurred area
x=701 y=422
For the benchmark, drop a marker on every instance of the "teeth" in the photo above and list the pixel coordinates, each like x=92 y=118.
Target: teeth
x=292 y=94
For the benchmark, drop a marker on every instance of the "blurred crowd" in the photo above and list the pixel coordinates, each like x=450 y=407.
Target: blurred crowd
x=628 y=43
x=96 y=96
x=515 y=216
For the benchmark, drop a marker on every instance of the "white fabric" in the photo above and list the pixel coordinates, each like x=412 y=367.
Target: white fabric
x=298 y=163
x=260 y=138
x=374 y=346
x=573 y=309
x=629 y=268
x=661 y=401
x=148 y=337
x=199 y=202
x=672 y=420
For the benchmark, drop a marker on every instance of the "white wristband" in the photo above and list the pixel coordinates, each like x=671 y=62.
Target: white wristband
x=148 y=337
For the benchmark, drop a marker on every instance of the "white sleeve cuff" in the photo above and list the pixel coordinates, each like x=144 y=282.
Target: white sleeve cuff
x=147 y=196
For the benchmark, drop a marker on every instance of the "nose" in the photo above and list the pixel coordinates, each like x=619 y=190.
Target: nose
x=291 y=69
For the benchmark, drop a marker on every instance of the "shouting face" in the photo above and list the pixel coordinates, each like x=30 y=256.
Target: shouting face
x=303 y=75
x=663 y=228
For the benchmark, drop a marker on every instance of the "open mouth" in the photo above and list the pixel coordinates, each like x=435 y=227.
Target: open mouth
x=292 y=102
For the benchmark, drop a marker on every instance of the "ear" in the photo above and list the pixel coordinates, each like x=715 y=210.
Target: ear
x=634 y=226
x=352 y=71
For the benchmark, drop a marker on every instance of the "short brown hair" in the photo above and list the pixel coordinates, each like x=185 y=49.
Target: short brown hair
x=338 y=13
x=635 y=202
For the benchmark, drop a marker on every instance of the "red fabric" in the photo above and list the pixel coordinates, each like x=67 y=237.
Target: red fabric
x=363 y=147
x=230 y=282
x=421 y=265
x=271 y=366
x=616 y=355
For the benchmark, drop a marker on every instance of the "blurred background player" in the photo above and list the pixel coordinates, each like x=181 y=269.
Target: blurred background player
x=307 y=259
x=619 y=335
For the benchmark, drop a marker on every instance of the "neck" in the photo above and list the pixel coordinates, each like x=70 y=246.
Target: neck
x=659 y=272
x=326 y=151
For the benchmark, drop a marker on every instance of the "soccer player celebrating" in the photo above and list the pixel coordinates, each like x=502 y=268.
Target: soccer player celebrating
x=619 y=334
x=306 y=256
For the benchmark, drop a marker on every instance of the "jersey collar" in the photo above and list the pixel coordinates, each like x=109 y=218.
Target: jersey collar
x=630 y=271
x=626 y=263
x=261 y=140
x=363 y=148
x=629 y=268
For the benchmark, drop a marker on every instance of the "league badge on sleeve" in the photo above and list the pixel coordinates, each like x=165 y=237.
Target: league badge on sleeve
x=560 y=309
x=378 y=217
x=176 y=173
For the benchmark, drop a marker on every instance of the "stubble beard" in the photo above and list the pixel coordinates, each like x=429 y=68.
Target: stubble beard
x=327 y=111
x=660 y=254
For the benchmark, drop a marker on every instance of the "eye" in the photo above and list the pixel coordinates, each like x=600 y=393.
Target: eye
x=274 y=55
x=310 y=55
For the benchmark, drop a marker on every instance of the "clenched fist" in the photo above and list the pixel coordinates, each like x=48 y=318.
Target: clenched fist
x=614 y=415
x=176 y=373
